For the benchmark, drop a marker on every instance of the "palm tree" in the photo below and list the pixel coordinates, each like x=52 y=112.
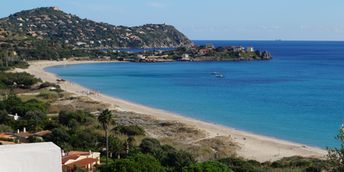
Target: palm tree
x=105 y=119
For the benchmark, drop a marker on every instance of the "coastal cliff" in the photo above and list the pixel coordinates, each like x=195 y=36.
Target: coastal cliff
x=51 y=23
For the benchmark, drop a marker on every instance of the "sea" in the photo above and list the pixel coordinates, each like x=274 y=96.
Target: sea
x=297 y=96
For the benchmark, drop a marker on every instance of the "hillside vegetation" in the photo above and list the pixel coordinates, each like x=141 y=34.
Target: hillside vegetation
x=66 y=29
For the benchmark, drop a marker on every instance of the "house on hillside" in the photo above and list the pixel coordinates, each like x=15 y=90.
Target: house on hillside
x=78 y=159
x=185 y=57
x=22 y=136
x=210 y=46
x=203 y=51
x=249 y=49
x=235 y=48
x=7 y=139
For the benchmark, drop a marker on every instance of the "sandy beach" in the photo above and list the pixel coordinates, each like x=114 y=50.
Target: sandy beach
x=252 y=146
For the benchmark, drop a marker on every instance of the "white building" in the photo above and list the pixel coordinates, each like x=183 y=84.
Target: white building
x=250 y=49
x=185 y=57
x=33 y=157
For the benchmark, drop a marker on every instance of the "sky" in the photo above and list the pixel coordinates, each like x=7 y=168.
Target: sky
x=211 y=19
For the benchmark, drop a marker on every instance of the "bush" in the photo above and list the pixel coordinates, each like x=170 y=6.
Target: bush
x=5 y=128
x=150 y=145
x=60 y=137
x=336 y=155
x=14 y=104
x=209 y=166
x=35 y=120
x=137 y=163
x=48 y=94
x=292 y=162
x=77 y=118
x=84 y=140
x=17 y=80
x=241 y=165
x=167 y=155
x=132 y=130
x=5 y=119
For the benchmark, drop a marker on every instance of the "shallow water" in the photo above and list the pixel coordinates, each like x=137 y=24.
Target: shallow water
x=297 y=96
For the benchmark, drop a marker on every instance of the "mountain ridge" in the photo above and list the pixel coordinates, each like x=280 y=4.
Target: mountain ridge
x=53 y=24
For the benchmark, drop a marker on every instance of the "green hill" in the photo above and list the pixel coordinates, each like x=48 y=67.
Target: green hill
x=52 y=24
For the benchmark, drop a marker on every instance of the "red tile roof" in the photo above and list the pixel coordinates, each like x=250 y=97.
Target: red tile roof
x=69 y=157
x=23 y=134
x=7 y=136
x=43 y=133
x=78 y=153
x=6 y=142
x=73 y=155
x=81 y=163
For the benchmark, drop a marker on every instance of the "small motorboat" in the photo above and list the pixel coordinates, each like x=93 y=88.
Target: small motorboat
x=219 y=76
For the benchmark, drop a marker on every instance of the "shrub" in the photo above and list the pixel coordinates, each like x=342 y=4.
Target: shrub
x=80 y=117
x=241 y=165
x=18 y=80
x=5 y=119
x=167 y=155
x=137 y=163
x=60 y=137
x=209 y=166
x=132 y=130
x=150 y=145
x=5 y=128
x=48 y=94
x=336 y=155
x=291 y=162
x=35 y=120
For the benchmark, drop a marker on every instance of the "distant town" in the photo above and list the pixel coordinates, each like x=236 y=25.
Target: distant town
x=194 y=53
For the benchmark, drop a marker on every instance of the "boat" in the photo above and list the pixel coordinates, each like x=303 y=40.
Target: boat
x=219 y=76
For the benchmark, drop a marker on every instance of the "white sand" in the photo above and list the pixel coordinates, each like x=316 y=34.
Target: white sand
x=252 y=146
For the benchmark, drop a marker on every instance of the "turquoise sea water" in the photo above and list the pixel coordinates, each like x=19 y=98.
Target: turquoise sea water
x=297 y=96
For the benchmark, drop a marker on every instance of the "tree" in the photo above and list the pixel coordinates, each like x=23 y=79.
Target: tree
x=84 y=139
x=115 y=146
x=105 y=120
x=150 y=145
x=131 y=130
x=60 y=137
x=12 y=102
x=36 y=120
x=5 y=128
x=5 y=119
x=336 y=155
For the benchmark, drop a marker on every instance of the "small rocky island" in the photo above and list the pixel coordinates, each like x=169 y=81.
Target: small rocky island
x=194 y=53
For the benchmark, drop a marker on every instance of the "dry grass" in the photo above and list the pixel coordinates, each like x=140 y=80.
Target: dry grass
x=181 y=136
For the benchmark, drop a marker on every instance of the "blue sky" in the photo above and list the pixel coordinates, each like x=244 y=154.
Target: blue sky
x=211 y=19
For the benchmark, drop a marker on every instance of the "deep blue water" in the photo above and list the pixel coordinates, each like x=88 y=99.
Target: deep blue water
x=297 y=96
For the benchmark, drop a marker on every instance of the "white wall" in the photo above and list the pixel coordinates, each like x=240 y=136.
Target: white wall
x=33 y=157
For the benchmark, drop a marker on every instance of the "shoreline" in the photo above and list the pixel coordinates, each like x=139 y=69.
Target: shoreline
x=251 y=146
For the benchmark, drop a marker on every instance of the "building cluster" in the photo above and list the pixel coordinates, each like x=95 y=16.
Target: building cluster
x=44 y=156
x=210 y=48
x=79 y=159
x=194 y=52
x=22 y=136
x=21 y=139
